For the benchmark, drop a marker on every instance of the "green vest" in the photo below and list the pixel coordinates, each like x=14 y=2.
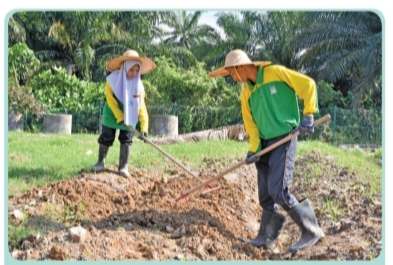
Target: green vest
x=274 y=107
x=109 y=119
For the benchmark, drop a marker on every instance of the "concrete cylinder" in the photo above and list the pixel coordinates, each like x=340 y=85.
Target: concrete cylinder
x=164 y=125
x=15 y=121
x=57 y=123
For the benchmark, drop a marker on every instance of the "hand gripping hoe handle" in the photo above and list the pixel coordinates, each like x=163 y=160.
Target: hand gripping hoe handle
x=234 y=167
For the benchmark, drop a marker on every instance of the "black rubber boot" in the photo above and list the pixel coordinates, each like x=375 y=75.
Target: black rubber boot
x=102 y=152
x=270 y=229
x=123 y=160
x=305 y=218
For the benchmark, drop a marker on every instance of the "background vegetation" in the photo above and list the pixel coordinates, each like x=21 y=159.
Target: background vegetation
x=56 y=61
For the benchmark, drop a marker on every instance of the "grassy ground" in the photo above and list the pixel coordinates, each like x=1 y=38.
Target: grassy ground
x=40 y=159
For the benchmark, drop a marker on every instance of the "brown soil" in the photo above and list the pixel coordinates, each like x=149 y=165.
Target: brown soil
x=133 y=219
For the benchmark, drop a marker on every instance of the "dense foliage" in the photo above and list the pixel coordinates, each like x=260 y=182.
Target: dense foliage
x=170 y=83
x=57 y=59
x=59 y=90
x=22 y=64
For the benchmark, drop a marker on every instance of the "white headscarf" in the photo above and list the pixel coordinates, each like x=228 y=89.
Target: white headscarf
x=127 y=91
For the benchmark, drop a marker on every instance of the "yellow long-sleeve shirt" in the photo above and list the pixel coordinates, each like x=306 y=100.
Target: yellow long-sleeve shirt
x=113 y=112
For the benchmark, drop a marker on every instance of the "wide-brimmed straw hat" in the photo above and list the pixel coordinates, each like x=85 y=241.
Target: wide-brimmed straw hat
x=235 y=58
x=146 y=64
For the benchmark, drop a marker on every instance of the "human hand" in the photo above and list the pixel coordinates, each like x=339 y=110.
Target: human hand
x=250 y=158
x=142 y=136
x=306 y=126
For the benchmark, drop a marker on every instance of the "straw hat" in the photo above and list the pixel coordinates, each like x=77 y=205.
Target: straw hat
x=146 y=64
x=235 y=58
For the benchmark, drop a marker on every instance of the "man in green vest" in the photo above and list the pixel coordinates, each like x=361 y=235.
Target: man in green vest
x=270 y=112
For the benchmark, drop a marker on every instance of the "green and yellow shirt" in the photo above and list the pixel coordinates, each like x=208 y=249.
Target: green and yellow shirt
x=270 y=107
x=113 y=112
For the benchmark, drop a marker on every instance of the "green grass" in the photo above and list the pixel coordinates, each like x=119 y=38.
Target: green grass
x=38 y=159
x=18 y=232
x=333 y=209
x=363 y=163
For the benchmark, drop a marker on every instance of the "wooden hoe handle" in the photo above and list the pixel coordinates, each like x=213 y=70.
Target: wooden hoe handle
x=264 y=151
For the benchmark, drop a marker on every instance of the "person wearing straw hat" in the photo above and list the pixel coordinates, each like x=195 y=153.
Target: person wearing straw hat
x=270 y=112
x=124 y=106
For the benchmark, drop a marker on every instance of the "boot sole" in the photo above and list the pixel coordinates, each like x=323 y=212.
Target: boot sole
x=270 y=246
x=310 y=244
x=124 y=175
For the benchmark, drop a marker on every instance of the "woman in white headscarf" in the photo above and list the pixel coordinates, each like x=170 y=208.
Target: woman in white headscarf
x=124 y=107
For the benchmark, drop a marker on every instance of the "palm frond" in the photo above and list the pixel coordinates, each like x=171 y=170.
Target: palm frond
x=16 y=31
x=337 y=45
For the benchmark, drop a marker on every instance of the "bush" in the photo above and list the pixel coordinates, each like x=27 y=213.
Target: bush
x=63 y=91
x=192 y=87
x=21 y=101
x=22 y=64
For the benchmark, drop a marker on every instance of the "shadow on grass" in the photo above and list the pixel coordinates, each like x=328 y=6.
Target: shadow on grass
x=42 y=223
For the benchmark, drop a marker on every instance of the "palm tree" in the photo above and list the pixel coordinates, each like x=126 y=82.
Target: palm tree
x=32 y=29
x=241 y=31
x=182 y=35
x=184 y=29
x=335 y=46
x=143 y=31
x=143 y=26
x=16 y=31
x=277 y=28
x=80 y=33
